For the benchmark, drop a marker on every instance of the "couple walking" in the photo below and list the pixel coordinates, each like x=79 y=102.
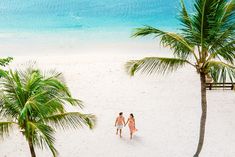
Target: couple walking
x=120 y=122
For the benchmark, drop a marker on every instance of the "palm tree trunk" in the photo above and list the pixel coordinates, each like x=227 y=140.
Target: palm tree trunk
x=33 y=154
x=203 y=116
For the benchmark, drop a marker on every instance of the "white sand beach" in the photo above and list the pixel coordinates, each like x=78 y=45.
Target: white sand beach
x=89 y=42
x=167 y=111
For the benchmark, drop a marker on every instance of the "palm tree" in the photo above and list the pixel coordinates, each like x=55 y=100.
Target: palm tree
x=35 y=103
x=5 y=61
x=206 y=41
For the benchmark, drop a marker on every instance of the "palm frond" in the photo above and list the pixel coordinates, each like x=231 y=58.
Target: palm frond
x=56 y=84
x=185 y=20
x=181 y=47
x=150 y=65
x=43 y=136
x=9 y=108
x=52 y=73
x=227 y=52
x=3 y=73
x=228 y=13
x=5 y=128
x=30 y=109
x=51 y=106
x=9 y=85
x=221 y=71
x=226 y=36
x=5 y=61
x=211 y=19
x=226 y=32
x=72 y=101
x=71 y=120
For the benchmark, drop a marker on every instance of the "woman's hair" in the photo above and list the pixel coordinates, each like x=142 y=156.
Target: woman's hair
x=120 y=113
x=132 y=115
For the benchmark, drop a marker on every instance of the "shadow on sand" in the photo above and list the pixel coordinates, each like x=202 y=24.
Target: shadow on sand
x=136 y=140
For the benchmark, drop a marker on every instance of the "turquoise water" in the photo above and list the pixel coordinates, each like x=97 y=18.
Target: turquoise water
x=62 y=15
x=44 y=27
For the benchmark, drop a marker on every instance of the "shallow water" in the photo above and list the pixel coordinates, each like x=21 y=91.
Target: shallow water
x=72 y=26
x=54 y=15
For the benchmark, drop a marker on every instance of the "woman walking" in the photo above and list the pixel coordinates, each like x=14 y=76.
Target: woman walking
x=131 y=124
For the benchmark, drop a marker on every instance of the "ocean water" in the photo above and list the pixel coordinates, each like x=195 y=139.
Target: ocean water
x=62 y=15
x=35 y=26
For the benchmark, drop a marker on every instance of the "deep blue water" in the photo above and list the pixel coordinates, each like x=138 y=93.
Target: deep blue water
x=51 y=15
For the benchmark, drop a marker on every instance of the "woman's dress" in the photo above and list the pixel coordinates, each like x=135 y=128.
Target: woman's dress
x=132 y=125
